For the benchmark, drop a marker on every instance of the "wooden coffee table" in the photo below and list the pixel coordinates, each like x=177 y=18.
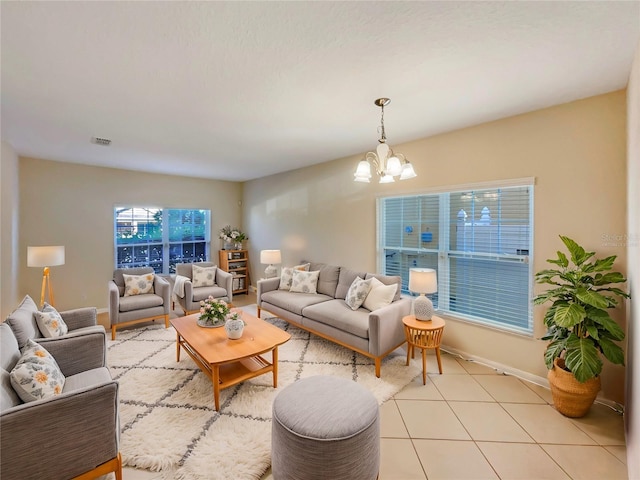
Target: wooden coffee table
x=228 y=362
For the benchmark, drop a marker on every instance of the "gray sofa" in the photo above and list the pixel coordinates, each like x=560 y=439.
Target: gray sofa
x=69 y=434
x=373 y=334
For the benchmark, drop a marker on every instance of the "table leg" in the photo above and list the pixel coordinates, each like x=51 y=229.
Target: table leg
x=215 y=379
x=178 y=347
x=408 y=353
x=274 y=359
x=439 y=361
x=424 y=366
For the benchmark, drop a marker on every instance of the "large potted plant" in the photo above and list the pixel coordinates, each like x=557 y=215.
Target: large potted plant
x=579 y=327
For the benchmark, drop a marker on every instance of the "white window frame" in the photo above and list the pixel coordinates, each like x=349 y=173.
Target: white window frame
x=444 y=254
x=166 y=243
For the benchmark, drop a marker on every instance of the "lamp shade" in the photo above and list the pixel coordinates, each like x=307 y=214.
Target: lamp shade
x=270 y=257
x=48 y=256
x=423 y=280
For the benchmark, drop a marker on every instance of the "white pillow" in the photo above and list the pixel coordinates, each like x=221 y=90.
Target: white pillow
x=36 y=375
x=203 y=276
x=50 y=323
x=358 y=292
x=286 y=276
x=304 y=282
x=380 y=295
x=138 y=284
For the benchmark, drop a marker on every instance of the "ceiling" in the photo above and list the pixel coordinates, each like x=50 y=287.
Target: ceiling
x=241 y=90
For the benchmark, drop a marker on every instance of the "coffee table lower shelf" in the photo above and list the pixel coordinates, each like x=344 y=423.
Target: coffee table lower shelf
x=224 y=375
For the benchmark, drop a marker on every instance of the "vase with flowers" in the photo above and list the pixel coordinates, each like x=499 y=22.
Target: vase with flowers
x=213 y=312
x=232 y=237
x=234 y=326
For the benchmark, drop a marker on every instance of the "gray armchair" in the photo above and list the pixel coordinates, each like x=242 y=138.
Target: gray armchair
x=137 y=308
x=191 y=296
x=72 y=435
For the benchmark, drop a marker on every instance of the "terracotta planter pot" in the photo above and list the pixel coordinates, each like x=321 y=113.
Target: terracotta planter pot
x=570 y=397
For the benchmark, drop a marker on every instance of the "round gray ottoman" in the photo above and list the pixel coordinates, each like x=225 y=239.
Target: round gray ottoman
x=325 y=428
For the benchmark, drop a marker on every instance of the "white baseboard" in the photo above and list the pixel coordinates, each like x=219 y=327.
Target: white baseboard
x=526 y=376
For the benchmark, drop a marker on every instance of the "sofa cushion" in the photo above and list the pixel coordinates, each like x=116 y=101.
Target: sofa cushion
x=345 y=280
x=293 y=302
x=304 y=282
x=358 y=292
x=9 y=349
x=138 y=284
x=203 y=292
x=86 y=379
x=22 y=321
x=286 y=276
x=389 y=280
x=328 y=279
x=380 y=295
x=8 y=396
x=50 y=322
x=36 y=375
x=204 y=276
x=138 y=302
x=339 y=315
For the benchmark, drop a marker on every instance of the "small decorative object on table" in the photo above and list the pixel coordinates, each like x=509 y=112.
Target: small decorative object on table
x=213 y=313
x=232 y=237
x=234 y=326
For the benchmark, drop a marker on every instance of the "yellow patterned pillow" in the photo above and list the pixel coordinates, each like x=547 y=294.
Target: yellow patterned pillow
x=50 y=322
x=36 y=375
x=138 y=284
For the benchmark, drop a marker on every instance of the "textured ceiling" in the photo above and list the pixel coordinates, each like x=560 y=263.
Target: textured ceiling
x=240 y=90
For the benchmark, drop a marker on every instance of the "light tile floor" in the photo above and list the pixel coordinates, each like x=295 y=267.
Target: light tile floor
x=473 y=423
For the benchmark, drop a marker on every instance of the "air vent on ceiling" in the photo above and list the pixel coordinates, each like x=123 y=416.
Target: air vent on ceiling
x=101 y=141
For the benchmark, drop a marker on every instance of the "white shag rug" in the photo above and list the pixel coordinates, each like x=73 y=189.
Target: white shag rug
x=167 y=414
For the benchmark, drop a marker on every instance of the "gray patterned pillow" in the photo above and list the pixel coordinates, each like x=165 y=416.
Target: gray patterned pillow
x=204 y=276
x=138 y=284
x=357 y=292
x=286 y=276
x=50 y=323
x=36 y=375
x=304 y=282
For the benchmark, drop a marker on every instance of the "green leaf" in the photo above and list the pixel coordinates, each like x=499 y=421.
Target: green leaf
x=604 y=264
x=615 y=291
x=568 y=314
x=554 y=349
x=611 y=351
x=593 y=331
x=607 y=278
x=582 y=358
x=608 y=324
x=592 y=298
x=578 y=254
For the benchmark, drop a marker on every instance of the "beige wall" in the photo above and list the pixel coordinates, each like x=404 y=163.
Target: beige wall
x=72 y=205
x=632 y=415
x=9 y=203
x=575 y=151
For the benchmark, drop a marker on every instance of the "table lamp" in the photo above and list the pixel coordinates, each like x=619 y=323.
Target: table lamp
x=46 y=257
x=270 y=257
x=423 y=280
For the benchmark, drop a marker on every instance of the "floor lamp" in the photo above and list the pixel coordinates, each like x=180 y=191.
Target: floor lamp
x=46 y=257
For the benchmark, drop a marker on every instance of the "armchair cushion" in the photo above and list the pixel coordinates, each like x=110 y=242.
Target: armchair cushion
x=36 y=375
x=138 y=284
x=23 y=322
x=204 y=276
x=50 y=322
x=139 y=302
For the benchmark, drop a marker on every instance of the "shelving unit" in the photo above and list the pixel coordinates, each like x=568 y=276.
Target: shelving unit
x=236 y=262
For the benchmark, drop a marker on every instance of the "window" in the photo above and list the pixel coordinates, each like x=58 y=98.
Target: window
x=160 y=238
x=478 y=240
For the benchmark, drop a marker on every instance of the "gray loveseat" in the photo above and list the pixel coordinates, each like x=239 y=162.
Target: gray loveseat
x=373 y=334
x=69 y=434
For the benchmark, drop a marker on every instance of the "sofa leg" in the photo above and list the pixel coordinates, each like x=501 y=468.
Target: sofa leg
x=166 y=321
x=113 y=332
x=378 y=363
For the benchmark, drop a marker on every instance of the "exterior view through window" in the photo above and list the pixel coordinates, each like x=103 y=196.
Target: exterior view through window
x=478 y=240
x=160 y=238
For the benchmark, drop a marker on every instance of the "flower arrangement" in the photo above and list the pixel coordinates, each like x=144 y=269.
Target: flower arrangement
x=213 y=312
x=232 y=235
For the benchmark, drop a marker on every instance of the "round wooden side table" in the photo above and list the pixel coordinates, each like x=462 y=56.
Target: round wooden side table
x=423 y=334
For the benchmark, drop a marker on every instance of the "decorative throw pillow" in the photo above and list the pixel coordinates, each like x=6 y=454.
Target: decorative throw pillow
x=50 y=322
x=36 y=375
x=286 y=276
x=304 y=282
x=358 y=292
x=380 y=295
x=138 y=284
x=204 y=276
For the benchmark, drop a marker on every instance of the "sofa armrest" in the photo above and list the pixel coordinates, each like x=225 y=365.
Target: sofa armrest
x=114 y=302
x=386 y=330
x=60 y=437
x=266 y=285
x=162 y=288
x=80 y=317
x=78 y=351
x=225 y=280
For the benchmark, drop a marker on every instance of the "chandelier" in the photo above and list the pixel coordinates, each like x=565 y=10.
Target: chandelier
x=388 y=164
